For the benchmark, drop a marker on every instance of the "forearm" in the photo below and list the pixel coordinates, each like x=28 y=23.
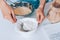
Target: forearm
x=1 y=1
x=3 y=4
x=42 y=3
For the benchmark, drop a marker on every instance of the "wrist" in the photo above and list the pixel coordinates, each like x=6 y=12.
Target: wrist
x=41 y=7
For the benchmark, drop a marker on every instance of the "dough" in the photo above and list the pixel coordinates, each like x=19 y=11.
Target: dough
x=54 y=17
x=54 y=14
x=22 y=11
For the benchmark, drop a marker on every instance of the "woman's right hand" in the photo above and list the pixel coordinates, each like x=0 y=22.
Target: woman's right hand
x=7 y=12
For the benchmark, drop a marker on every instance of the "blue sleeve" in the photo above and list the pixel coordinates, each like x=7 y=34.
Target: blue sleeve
x=35 y=3
x=48 y=1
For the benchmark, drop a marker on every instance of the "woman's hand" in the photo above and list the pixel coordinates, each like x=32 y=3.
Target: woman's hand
x=40 y=15
x=7 y=12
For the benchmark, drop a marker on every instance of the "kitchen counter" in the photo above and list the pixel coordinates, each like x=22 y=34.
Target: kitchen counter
x=7 y=29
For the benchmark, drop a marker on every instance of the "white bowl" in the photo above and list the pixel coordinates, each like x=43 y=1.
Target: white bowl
x=29 y=33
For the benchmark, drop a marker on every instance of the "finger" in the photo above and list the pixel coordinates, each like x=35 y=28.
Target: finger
x=41 y=19
x=14 y=19
x=38 y=17
x=13 y=16
x=8 y=17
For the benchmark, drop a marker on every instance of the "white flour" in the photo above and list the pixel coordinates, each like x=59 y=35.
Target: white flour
x=28 y=24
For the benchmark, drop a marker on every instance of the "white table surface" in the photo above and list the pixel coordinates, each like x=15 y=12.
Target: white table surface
x=7 y=31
